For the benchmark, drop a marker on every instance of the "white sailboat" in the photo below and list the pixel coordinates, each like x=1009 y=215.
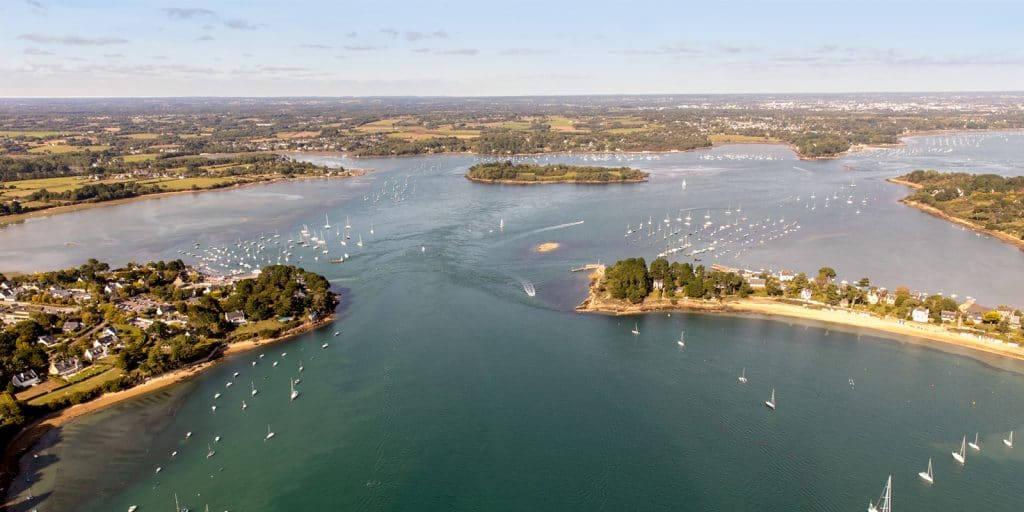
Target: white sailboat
x=327 y=222
x=684 y=184
x=348 y=225
x=961 y=456
x=269 y=433
x=743 y=375
x=682 y=339
x=209 y=451
x=771 y=402
x=360 y=242
x=636 y=329
x=1009 y=441
x=252 y=387
x=927 y=475
x=974 y=445
x=885 y=500
x=295 y=392
x=244 y=406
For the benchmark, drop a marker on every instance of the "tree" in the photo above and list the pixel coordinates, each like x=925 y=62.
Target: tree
x=992 y=317
x=864 y=282
x=628 y=279
x=660 y=269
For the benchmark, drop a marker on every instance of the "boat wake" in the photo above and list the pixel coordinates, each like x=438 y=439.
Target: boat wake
x=529 y=288
x=559 y=226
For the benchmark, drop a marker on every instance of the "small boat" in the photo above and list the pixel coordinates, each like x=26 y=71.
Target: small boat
x=324 y=345
x=236 y=374
x=743 y=375
x=244 y=407
x=133 y=508
x=974 y=445
x=217 y=395
x=927 y=475
x=252 y=387
x=269 y=433
x=636 y=329
x=337 y=333
x=295 y=392
x=961 y=456
x=213 y=408
x=188 y=435
x=216 y=439
x=771 y=402
x=158 y=469
x=209 y=452
x=275 y=363
x=885 y=500
x=1009 y=441
x=682 y=339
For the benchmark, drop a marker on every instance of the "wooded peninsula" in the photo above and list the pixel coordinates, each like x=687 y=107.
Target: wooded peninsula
x=984 y=202
x=527 y=174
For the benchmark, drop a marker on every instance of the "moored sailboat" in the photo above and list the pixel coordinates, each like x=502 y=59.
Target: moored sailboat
x=771 y=402
x=927 y=474
x=961 y=456
x=885 y=500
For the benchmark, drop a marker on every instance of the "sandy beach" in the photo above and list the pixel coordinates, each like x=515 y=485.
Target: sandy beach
x=772 y=308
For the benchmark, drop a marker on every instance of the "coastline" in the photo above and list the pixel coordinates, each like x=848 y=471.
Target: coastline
x=771 y=308
x=31 y=434
x=935 y=212
x=57 y=210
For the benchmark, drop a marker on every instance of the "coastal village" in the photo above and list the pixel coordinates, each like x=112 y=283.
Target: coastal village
x=630 y=286
x=68 y=336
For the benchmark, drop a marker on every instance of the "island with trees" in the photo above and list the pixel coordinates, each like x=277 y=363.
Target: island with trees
x=632 y=287
x=987 y=203
x=530 y=174
x=69 y=336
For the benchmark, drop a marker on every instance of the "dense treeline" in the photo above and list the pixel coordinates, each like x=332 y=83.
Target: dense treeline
x=507 y=171
x=632 y=280
x=992 y=201
x=96 y=192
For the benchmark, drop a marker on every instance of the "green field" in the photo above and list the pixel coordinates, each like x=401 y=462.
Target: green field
x=145 y=157
x=65 y=148
x=29 y=133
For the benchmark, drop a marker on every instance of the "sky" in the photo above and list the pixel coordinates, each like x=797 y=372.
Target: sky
x=144 y=48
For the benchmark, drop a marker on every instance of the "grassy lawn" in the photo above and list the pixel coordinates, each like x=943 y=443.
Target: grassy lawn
x=253 y=328
x=86 y=385
x=142 y=136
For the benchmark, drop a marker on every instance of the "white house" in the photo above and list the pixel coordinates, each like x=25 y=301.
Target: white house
x=47 y=341
x=65 y=366
x=757 y=282
x=26 y=379
x=658 y=284
x=235 y=317
x=920 y=315
x=786 y=275
x=872 y=297
x=8 y=295
x=805 y=294
x=97 y=352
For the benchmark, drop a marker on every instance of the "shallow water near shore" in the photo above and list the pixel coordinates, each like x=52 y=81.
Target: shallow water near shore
x=449 y=388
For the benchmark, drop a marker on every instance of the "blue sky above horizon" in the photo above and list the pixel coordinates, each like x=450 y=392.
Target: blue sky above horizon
x=67 y=48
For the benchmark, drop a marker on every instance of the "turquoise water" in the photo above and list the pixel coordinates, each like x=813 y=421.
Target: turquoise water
x=449 y=388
